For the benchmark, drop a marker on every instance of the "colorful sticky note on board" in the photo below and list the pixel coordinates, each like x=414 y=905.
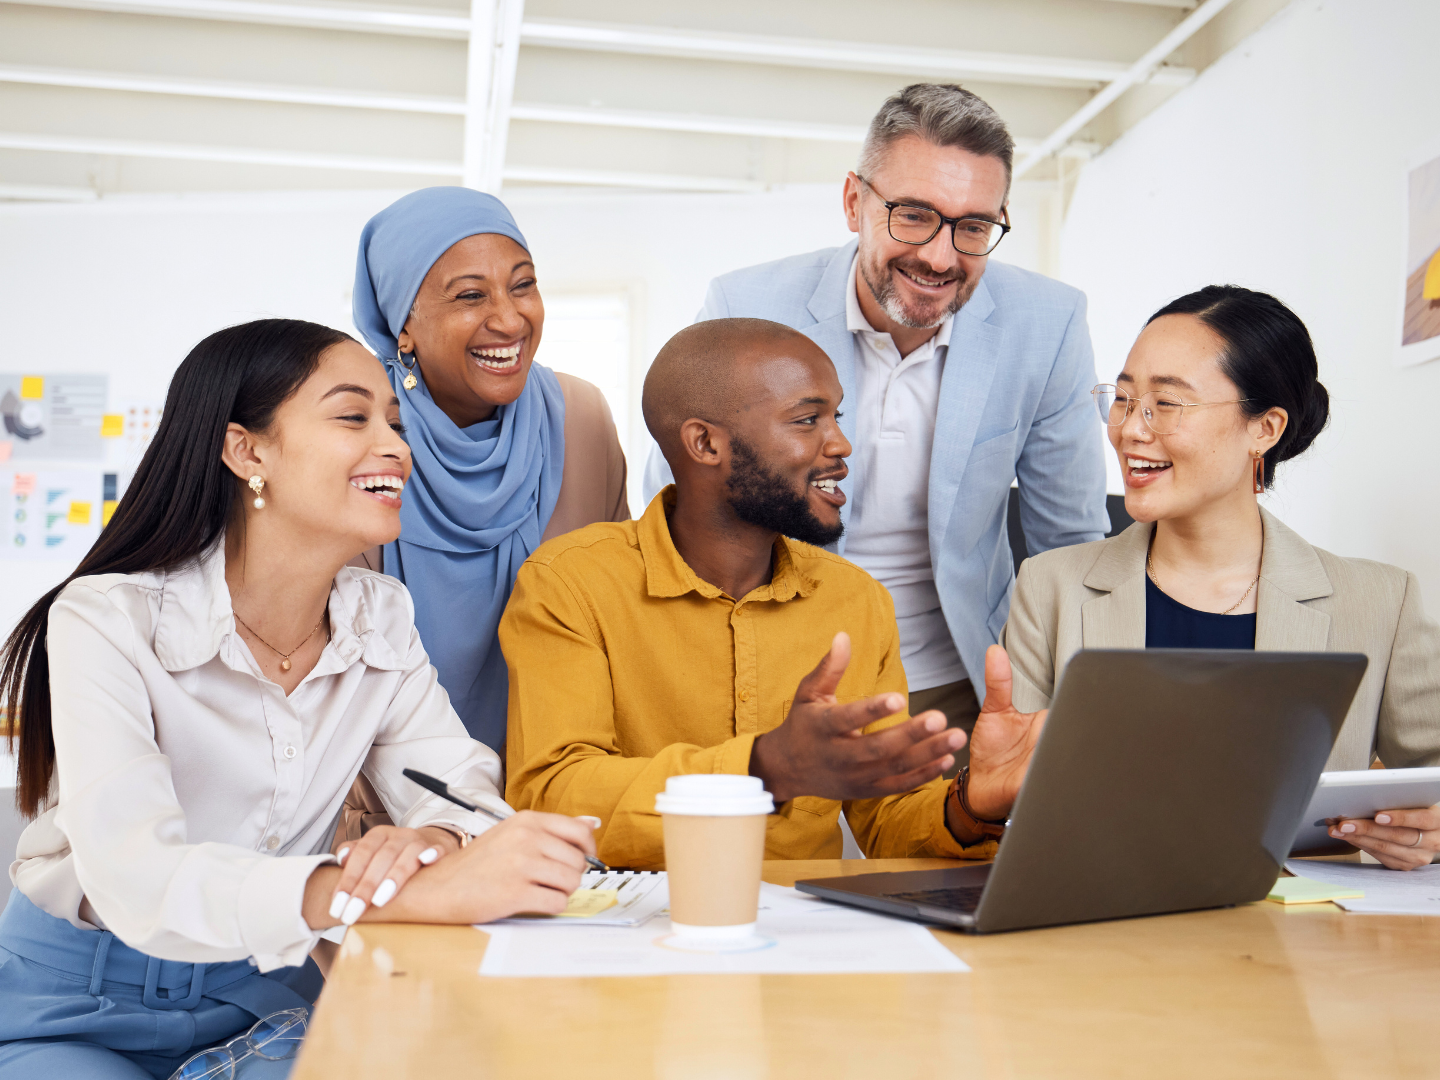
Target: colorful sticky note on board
x=1302 y=890
x=23 y=484
x=112 y=425
x=107 y=511
x=79 y=513
x=5 y=447
x=586 y=902
x=32 y=386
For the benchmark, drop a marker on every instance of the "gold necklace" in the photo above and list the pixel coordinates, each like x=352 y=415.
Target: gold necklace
x=1150 y=569
x=285 y=664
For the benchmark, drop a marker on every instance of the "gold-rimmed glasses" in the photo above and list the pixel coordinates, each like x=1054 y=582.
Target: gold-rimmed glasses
x=1161 y=410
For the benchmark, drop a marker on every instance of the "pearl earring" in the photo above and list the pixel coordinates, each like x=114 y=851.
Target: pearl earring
x=257 y=485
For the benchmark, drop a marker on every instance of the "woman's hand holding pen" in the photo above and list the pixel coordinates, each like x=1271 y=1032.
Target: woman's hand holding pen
x=377 y=866
x=531 y=862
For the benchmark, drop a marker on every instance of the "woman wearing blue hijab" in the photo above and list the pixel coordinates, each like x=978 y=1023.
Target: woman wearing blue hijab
x=506 y=452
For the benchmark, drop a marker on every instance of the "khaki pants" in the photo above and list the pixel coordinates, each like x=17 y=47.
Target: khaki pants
x=961 y=707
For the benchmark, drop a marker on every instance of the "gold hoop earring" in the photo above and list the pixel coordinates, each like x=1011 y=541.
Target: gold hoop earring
x=257 y=485
x=410 y=382
x=1259 y=476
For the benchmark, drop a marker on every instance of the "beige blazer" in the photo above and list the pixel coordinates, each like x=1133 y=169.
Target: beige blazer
x=1092 y=596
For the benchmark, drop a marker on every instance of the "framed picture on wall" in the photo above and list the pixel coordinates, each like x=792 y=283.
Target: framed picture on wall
x=1420 y=320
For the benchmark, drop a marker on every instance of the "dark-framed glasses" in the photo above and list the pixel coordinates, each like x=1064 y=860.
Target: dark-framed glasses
x=1161 y=410
x=277 y=1037
x=917 y=225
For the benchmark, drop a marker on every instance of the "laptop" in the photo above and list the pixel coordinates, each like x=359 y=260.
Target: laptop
x=1165 y=780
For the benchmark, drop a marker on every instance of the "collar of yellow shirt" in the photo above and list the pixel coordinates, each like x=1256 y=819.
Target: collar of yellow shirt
x=668 y=574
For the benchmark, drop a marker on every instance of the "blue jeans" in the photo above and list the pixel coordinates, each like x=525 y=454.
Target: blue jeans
x=83 y=1005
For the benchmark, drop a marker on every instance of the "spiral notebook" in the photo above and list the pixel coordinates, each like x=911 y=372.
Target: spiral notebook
x=639 y=895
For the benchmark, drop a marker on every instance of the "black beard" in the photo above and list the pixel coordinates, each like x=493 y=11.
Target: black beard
x=763 y=499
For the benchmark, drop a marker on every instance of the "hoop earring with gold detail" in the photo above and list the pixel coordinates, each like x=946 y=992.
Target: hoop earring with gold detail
x=409 y=382
x=1259 y=478
x=257 y=485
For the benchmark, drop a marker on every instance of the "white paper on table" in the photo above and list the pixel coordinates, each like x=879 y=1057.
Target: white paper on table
x=1387 y=892
x=811 y=937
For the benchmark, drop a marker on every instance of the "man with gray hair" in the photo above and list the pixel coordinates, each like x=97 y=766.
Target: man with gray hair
x=960 y=377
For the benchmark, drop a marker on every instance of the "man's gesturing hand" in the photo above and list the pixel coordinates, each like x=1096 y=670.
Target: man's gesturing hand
x=1002 y=743
x=820 y=750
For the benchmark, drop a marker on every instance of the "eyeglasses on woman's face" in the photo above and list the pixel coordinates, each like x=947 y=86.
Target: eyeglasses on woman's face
x=1161 y=410
x=917 y=226
x=277 y=1037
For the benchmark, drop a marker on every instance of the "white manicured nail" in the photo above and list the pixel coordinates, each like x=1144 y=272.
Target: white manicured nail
x=593 y=822
x=383 y=894
x=353 y=910
x=429 y=855
x=340 y=858
x=337 y=905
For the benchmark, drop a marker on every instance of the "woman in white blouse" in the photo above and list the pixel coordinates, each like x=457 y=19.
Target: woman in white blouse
x=193 y=705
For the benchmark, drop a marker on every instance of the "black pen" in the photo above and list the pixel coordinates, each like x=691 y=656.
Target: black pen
x=439 y=787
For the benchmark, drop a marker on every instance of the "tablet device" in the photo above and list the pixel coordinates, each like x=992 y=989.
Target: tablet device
x=1361 y=794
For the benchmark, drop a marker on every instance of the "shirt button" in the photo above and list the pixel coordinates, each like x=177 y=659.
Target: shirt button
x=290 y=751
x=744 y=695
x=271 y=843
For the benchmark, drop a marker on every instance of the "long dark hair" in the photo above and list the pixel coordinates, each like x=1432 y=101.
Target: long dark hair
x=176 y=507
x=1269 y=356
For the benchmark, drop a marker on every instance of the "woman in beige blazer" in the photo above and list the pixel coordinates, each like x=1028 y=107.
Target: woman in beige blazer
x=1220 y=388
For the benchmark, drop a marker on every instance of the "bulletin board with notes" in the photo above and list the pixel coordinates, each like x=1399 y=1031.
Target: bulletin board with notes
x=66 y=455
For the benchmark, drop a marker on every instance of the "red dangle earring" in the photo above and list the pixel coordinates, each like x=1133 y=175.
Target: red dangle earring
x=1259 y=472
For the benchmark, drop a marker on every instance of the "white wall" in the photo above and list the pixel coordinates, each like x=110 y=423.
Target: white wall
x=1314 y=119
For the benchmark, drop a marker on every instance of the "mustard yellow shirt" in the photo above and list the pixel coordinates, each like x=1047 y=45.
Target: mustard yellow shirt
x=626 y=669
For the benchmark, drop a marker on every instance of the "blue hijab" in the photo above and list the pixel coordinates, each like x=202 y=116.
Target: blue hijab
x=479 y=497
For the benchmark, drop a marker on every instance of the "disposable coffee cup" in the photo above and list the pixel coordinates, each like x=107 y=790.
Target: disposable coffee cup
x=714 y=845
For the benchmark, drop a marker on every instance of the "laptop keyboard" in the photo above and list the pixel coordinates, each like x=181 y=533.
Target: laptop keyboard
x=966 y=898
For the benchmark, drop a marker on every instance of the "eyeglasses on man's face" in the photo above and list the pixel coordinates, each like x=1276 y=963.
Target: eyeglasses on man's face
x=1161 y=410
x=275 y=1038
x=917 y=225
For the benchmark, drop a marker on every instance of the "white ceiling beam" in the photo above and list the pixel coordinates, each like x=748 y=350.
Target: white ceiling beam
x=415 y=21
x=1137 y=74
x=533 y=112
x=489 y=87
x=830 y=55
x=234 y=155
x=244 y=155
x=653 y=181
x=653 y=41
x=209 y=88
x=46 y=193
x=754 y=127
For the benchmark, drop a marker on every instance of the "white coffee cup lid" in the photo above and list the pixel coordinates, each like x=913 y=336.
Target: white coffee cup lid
x=714 y=795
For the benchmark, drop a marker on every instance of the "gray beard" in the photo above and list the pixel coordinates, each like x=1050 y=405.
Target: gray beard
x=886 y=296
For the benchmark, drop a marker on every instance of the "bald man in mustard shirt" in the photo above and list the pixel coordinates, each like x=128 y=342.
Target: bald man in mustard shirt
x=687 y=641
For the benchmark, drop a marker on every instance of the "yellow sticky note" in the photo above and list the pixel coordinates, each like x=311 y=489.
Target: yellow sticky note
x=112 y=426
x=79 y=513
x=32 y=386
x=107 y=510
x=1301 y=890
x=586 y=902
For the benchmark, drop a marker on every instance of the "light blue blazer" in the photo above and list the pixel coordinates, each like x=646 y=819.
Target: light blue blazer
x=1014 y=403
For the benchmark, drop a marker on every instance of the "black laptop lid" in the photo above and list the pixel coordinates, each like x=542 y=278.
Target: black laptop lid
x=1167 y=780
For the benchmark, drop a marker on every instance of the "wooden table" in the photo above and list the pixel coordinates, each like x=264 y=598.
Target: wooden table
x=1258 y=991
